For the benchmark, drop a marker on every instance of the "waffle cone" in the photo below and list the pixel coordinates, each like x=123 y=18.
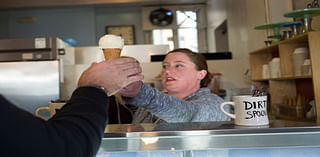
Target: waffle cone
x=111 y=53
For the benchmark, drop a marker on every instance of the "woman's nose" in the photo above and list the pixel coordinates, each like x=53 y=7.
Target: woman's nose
x=168 y=70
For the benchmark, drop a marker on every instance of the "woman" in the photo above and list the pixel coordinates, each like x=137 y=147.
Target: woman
x=184 y=75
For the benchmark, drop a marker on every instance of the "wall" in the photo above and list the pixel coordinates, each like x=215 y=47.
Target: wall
x=216 y=14
x=278 y=9
x=3 y=24
x=242 y=17
x=119 y=16
x=84 y=24
x=77 y=23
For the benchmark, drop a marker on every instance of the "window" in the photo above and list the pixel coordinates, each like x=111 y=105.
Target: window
x=184 y=32
x=187 y=30
x=163 y=36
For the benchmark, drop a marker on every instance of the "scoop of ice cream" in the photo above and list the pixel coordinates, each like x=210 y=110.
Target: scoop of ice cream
x=111 y=41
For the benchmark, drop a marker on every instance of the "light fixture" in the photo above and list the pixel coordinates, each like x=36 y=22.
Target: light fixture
x=161 y=17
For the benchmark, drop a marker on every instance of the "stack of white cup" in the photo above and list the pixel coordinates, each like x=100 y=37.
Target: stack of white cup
x=274 y=67
x=298 y=57
x=265 y=71
x=306 y=67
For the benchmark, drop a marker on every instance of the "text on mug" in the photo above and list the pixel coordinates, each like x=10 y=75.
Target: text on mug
x=255 y=105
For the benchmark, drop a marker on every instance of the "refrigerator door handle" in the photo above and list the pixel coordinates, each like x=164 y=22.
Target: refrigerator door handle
x=61 y=52
x=61 y=70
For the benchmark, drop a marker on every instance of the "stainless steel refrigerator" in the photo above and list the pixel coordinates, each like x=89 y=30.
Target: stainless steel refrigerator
x=31 y=70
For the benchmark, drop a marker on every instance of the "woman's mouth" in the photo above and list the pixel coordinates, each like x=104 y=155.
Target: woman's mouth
x=170 y=79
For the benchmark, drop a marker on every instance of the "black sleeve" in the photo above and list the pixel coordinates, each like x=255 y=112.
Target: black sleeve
x=76 y=130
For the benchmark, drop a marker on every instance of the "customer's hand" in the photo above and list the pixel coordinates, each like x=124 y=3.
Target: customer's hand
x=131 y=90
x=113 y=74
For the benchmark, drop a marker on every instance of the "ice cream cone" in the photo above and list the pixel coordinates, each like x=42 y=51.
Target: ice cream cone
x=110 y=53
x=111 y=46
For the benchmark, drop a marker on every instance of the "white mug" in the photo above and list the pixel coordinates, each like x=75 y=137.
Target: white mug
x=249 y=110
x=53 y=106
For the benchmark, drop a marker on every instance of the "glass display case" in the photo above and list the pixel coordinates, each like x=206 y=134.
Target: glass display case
x=279 y=138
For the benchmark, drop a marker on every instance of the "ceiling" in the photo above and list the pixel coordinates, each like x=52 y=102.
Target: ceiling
x=19 y=4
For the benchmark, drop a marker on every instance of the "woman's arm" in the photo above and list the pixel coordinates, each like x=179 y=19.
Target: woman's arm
x=166 y=107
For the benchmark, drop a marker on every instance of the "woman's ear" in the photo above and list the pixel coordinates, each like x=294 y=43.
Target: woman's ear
x=202 y=74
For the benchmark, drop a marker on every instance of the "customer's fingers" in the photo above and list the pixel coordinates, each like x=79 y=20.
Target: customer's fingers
x=128 y=66
x=120 y=61
x=134 y=78
x=132 y=71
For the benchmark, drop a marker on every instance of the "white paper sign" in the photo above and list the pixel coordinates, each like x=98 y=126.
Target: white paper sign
x=40 y=43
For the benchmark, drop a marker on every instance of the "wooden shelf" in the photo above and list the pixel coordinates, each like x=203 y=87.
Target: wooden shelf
x=286 y=78
x=289 y=85
x=302 y=38
x=278 y=116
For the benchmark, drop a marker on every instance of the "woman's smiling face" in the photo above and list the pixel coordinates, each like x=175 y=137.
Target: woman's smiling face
x=179 y=75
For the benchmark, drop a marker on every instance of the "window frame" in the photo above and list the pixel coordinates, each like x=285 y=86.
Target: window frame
x=201 y=25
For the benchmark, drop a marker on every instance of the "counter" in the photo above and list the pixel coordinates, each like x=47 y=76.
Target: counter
x=210 y=136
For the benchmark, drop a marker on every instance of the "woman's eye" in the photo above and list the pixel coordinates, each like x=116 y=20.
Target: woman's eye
x=179 y=65
x=164 y=66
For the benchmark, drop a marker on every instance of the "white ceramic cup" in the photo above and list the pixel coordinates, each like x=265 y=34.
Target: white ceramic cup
x=274 y=67
x=249 y=110
x=306 y=67
x=298 y=57
x=53 y=106
x=265 y=71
